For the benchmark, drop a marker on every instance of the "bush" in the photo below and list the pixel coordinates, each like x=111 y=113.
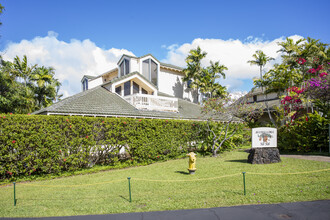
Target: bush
x=37 y=144
x=306 y=134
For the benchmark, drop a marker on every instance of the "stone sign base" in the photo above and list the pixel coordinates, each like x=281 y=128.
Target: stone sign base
x=264 y=155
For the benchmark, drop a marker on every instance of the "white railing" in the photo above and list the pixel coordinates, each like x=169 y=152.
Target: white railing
x=151 y=102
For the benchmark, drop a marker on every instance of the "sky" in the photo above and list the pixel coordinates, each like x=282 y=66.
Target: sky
x=87 y=37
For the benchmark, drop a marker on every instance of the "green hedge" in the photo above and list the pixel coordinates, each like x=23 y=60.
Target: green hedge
x=37 y=144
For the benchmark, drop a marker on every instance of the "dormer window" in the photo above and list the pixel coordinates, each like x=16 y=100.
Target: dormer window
x=85 y=84
x=124 y=67
x=150 y=70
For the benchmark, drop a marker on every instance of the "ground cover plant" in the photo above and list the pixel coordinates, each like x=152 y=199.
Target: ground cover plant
x=166 y=186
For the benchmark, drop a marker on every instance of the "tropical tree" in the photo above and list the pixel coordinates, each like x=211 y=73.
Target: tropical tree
x=261 y=59
x=25 y=88
x=22 y=70
x=289 y=50
x=45 y=86
x=301 y=75
x=204 y=78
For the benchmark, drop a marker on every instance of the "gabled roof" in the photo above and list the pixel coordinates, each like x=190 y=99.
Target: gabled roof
x=101 y=102
x=88 y=77
x=161 y=63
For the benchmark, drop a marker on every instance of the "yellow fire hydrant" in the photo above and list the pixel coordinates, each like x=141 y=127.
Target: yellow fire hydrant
x=192 y=162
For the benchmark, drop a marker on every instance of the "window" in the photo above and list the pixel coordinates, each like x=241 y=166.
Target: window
x=124 y=67
x=118 y=90
x=144 y=91
x=254 y=98
x=127 y=88
x=135 y=88
x=153 y=72
x=189 y=83
x=150 y=70
x=85 y=84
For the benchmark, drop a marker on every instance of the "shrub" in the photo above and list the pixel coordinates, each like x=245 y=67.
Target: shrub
x=306 y=134
x=37 y=144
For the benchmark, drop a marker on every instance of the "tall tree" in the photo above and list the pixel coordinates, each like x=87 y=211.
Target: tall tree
x=25 y=88
x=289 y=50
x=261 y=59
x=22 y=69
x=46 y=86
x=204 y=78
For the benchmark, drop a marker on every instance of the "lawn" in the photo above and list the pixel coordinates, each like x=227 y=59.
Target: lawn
x=166 y=186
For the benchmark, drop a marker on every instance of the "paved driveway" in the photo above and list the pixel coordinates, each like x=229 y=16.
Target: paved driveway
x=318 y=210
x=309 y=157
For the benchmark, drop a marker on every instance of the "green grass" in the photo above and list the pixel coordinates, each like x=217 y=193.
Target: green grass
x=58 y=197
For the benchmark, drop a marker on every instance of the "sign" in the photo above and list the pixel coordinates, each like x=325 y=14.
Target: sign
x=264 y=137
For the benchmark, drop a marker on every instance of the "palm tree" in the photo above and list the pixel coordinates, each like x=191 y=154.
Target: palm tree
x=215 y=71
x=290 y=51
x=22 y=69
x=194 y=70
x=47 y=86
x=260 y=59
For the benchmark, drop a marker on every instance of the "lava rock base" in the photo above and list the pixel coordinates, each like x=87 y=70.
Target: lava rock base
x=264 y=155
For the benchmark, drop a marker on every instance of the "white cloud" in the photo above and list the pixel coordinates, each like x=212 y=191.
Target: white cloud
x=76 y=58
x=71 y=60
x=232 y=53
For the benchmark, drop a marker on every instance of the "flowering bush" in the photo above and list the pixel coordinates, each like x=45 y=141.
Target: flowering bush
x=292 y=102
x=305 y=134
x=301 y=61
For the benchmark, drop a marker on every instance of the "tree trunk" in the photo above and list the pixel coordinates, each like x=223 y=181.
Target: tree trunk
x=266 y=103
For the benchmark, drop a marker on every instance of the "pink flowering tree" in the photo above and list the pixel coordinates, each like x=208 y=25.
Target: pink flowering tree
x=292 y=103
x=317 y=88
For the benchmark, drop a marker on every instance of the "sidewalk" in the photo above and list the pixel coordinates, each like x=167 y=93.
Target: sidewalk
x=318 y=210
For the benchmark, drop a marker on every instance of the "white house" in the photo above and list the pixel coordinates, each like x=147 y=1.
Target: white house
x=139 y=80
x=137 y=87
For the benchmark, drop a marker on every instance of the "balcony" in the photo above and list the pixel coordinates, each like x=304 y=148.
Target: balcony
x=151 y=102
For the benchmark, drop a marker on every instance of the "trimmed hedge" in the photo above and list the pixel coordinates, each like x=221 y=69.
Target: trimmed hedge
x=37 y=144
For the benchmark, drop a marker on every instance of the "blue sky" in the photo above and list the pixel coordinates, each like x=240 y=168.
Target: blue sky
x=67 y=34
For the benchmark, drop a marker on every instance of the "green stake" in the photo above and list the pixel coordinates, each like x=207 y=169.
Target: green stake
x=129 y=188
x=244 y=183
x=14 y=193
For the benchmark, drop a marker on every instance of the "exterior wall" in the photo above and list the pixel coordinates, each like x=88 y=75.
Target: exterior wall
x=171 y=83
x=262 y=97
x=134 y=65
x=95 y=82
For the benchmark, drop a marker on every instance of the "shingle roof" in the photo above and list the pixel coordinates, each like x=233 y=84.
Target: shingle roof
x=100 y=101
x=171 y=66
x=161 y=63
